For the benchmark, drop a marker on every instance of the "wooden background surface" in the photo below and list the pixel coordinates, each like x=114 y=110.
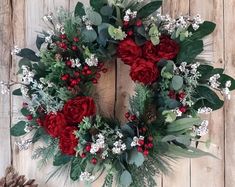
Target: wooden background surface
x=19 y=22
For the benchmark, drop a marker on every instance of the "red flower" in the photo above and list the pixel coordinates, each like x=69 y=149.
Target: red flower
x=144 y=71
x=128 y=51
x=54 y=123
x=168 y=48
x=68 y=141
x=150 y=52
x=78 y=108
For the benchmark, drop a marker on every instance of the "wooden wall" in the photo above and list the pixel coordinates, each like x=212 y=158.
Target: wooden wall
x=19 y=22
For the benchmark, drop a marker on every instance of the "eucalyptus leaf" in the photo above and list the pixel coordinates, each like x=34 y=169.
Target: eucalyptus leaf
x=125 y=178
x=136 y=158
x=89 y=36
x=18 y=129
x=106 y=10
x=94 y=17
x=177 y=82
x=184 y=123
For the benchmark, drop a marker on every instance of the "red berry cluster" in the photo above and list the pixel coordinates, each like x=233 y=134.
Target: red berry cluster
x=66 y=44
x=87 y=150
x=130 y=117
x=145 y=145
x=179 y=97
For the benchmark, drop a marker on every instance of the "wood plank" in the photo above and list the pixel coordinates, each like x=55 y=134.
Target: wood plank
x=210 y=169
x=181 y=169
x=229 y=27
x=5 y=63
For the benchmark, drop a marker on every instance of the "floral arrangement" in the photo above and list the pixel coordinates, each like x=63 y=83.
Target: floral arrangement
x=173 y=87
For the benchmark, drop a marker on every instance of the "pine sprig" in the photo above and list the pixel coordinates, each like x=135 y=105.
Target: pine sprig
x=108 y=182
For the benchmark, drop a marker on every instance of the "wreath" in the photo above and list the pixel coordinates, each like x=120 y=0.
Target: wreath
x=173 y=87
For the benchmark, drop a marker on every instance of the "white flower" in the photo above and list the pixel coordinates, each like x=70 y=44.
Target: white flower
x=86 y=176
x=16 y=50
x=24 y=90
x=194 y=68
x=98 y=144
x=119 y=134
x=48 y=17
x=27 y=75
x=202 y=129
x=226 y=91
x=104 y=155
x=92 y=61
x=24 y=144
x=75 y=63
x=136 y=140
x=182 y=67
x=119 y=146
x=129 y=15
x=178 y=112
x=126 y=18
x=204 y=110
x=213 y=81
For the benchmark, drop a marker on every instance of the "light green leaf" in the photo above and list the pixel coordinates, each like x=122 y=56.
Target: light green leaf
x=126 y=178
x=89 y=36
x=170 y=116
x=182 y=124
x=136 y=158
x=94 y=17
x=106 y=11
x=177 y=82
x=116 y=33
x=155 y=40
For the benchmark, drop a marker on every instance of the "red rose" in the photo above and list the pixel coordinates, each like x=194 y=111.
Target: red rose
x=128 y=51
x=150 y=52
x=78 y=108
x=168 y=48
x=68 y=141
x=54 y=123
x=144 y=71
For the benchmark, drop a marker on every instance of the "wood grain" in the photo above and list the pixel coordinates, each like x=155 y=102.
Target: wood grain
x=5 y=63
x=229 y=53
x=211 y=169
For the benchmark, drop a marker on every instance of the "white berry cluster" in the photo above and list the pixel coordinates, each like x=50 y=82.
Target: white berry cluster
x=226 y=91
x=203 y=128
x=75 y=63
x=213 y=81
x=16 y=50
x=136 y=140
x=98 y=144
x=87 y=22
x=27 y=75
x=204 y=110
x=4 y=88
x=118 y=147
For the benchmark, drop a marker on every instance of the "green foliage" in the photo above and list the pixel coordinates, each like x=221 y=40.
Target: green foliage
x=182 y=124
x=75 y=170
x=25 y=62
x=18 y=129
x=125 y=178
x=94 y=17
x=39 y=42
x=29 y=54
x=116 y=33
x=136 y=158
x=40 y=132
x=140 y=101
x=25 y=112
x=79 y=10
x=177 y=82
x=89 y=36
x=154 y=34
x=97 y=5
x=17 y=92
x=189 y=50
x=224 y=78
x=149 y=9
x=61 y=159
x=108 y=181
x=106 y=10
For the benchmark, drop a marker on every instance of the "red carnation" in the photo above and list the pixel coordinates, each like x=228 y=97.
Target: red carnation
x=128 y=51
x=144 y=71
x=150 y=52
x=168 y=48
x=78 y=108
x=54 y=123
x=68 y=141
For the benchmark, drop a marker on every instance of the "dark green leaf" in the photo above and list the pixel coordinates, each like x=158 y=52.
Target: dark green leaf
x=25 y=62
x=79 y=10
x=39 y=42
x=97 y=4
x=61 y=159
x=29 y=54
x=205 y=29
x=18 y=129
x=149 y=9
x=25 y=112
x=106 y=10
x=89 y=36
x=189 y=51
x=75 y=170
x=127 y=130
x=224 y=78
x=17 y=92
x=38 y=134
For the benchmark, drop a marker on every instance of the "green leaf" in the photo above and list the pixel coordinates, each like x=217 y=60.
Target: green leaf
x=207 y=98
x=17 y=92
x=189 y=152
x=177 y=82
x=97 y=4
x=205 y=29
x=18 y=129
x=29 y=54
x=61 y=159
x=189 y=51
x=184 y=139
x=79 y=10
x=116 y=33
x=103 y=33
x=38 y=134
x=224 y=78
x=39 y=42
x=25 y=62
x=126 y=179
x=136 y=158
x=149 y=9
x=25 y=112
x=106 y=10
x=75 y=170
x=94 y=17
x=89 y=36
x=170 y=116
x=184 y=123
